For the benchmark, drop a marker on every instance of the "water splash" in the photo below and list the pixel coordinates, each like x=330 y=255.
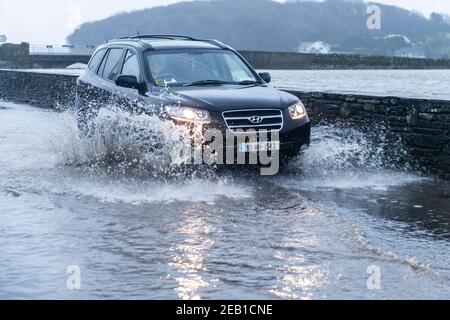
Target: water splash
x=338 y=147
x=343 y=157
x=157 y=190
x=136 y=159
x=124 y=141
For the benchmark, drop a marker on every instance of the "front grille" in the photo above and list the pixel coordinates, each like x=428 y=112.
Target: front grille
x=270 y=119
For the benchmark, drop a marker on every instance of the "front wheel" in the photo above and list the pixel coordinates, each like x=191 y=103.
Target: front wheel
x=288 y=157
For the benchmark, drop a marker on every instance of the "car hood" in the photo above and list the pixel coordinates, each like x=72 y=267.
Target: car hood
x=224 y=98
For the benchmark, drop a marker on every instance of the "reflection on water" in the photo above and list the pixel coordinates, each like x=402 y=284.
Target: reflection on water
x=297 y=279
x=306 y=279
x=188 y=256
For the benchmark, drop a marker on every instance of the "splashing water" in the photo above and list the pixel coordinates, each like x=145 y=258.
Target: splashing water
x=125 y=141
x=146 y=144
x=341 y=148
x=346 y=157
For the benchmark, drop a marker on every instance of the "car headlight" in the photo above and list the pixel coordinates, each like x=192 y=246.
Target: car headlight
x=297 y=111
x=188 y=114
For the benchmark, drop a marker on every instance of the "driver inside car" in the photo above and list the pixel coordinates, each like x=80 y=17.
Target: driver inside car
x=176 y=69
x=159 y=71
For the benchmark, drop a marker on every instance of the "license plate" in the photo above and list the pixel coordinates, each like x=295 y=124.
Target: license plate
x=259 y=146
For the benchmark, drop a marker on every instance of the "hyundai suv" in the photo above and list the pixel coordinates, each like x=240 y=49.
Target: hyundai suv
x=191 y=82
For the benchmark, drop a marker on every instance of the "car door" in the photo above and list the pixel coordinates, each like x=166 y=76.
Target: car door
x=130 y=99
x=88 y=95
x=95 y=87
x=107 y=72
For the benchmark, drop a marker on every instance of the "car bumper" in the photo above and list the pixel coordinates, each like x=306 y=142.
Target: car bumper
x=291 y=140
x=292 y=137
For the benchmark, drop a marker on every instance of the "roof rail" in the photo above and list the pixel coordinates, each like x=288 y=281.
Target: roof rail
x=161 y=36
x=171 y=37
x=214 y=42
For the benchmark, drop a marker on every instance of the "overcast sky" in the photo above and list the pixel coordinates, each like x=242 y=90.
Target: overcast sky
x=50 y=21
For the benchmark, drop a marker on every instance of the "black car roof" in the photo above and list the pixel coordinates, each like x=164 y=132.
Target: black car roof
x=162 y=42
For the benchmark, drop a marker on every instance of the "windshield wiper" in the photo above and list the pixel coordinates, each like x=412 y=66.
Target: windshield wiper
x=206 y=82
x=247 y=82
x=218 y=82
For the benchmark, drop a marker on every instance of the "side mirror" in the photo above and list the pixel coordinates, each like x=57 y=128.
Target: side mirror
x=131 y=82
x=266 y=77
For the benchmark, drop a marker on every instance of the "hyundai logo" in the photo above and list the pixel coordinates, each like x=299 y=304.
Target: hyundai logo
x=256 y=120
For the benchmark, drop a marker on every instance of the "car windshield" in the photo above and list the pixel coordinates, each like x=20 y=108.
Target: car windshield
x=194 y=67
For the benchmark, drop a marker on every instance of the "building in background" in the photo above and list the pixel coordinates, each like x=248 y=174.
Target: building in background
x=318 y=47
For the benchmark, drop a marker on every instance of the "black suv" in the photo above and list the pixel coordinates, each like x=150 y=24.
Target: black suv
x=190 y=81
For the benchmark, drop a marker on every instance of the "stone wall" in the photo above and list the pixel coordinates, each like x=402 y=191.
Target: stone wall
x=286 y=60
x=39 y=89
x=289 y=61
x=423 y=125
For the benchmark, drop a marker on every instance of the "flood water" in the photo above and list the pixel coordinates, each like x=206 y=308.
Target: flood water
x=422 y=84
x=313 y=232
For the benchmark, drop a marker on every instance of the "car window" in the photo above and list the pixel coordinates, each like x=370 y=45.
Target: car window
x=102 y=65
x=181 y=67
x=96 y=59
x=131 y=65
x=113 y=64
x=238 y=73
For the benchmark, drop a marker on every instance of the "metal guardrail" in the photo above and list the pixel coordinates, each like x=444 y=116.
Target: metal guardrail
x=42 y=49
